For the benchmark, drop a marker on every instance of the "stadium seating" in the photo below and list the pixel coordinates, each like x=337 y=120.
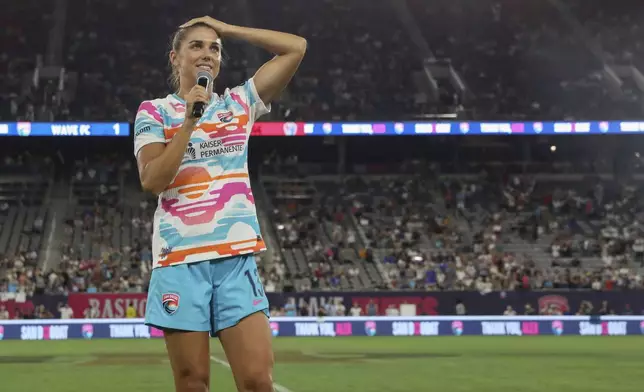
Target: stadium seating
x=421 y=231
x=365 y=72
x=517 y=60
x=521 y=59
x=616 y=28
x=24 y=218
x=390 y=225
x=121 y=67
x=23 y=38
x=312 y=229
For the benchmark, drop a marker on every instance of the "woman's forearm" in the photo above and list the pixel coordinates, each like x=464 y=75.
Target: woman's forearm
x=272 y=41
x=272 y=77
x=160 y=171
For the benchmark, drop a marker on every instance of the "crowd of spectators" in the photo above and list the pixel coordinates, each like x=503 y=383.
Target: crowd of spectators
x=300 y=224
x=421 y=231
x=616 y=28
x=416 y=239
x=23 y=38
x=521 y=59
x=483 y=264
x=356 y=67
x=125 y=270
x=459 y=235
x=518 y=60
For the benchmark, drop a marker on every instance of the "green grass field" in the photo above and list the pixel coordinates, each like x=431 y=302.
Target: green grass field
x=343 y=365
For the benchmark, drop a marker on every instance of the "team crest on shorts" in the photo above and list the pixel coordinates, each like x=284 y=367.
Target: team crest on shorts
x=170 y=302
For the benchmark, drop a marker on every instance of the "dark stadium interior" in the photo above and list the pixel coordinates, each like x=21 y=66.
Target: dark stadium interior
x=490 y=59
x=345 y=213
x=450 y=193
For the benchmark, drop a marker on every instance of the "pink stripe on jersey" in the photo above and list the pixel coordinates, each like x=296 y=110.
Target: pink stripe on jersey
x=240 y=101
x=151 y=110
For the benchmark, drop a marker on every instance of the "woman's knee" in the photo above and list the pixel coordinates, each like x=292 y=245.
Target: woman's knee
x=193 y=379
x=258 y=375
x=257 y=381
x=189 y=355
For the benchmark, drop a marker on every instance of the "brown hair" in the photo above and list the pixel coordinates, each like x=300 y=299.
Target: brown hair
x=175 y=44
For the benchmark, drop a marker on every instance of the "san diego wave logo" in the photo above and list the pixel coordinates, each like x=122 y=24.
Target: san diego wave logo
x=170 y=302
x=557 y=328
x=370 y=328
x=225 y=116
x=87 y=331
x=457 y=328
x=1 y=332
x=24 y=128
x=538 y=127
x=289 y=128
x=275 y=329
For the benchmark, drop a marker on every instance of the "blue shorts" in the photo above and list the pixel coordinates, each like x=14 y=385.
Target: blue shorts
x=205 y=296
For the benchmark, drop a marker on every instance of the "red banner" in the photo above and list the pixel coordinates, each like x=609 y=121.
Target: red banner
x=278 y=129
x=109 y=305
x=12 y=306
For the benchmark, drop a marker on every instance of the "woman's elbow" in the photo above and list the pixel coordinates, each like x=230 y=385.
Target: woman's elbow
x=149 y=186
x=302 y=45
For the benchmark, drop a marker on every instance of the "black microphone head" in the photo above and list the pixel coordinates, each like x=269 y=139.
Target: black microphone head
x=204 y=78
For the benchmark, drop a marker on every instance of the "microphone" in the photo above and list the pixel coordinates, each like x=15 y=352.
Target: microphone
x=204 y=79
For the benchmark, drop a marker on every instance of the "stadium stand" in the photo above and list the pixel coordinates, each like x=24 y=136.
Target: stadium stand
x=24 y=217
x=616 y=29
x=128 y=64
x=431 y=231
x=503 y=59
x=340 y=85
x=502 y=48
x=22 y=41
x=489 y=220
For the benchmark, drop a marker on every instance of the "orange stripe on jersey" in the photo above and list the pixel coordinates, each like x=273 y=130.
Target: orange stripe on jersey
x=221 y=126
x=193 y=189
x=222 y=249
x=170 y=132
x=196 y=176
x=232 y=175
x=211 y=127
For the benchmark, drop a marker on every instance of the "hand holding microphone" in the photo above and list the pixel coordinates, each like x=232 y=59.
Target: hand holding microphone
x=199 y=96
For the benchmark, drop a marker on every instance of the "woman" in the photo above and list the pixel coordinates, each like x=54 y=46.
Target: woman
x=206 y=232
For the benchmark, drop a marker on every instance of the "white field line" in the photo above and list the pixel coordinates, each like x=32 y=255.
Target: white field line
x=278 y=387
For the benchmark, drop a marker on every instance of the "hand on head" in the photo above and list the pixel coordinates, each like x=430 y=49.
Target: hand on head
x=219 y=26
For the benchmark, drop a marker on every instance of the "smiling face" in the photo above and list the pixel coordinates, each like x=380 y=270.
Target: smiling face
x=194 y=49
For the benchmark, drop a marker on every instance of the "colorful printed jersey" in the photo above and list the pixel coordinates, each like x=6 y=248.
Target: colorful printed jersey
x=208 y=210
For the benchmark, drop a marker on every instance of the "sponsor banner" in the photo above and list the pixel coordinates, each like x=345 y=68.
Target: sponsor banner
x=425 y=128
x=109 y=305
x=27 y=129
x=344 y=326
x=68 y=329
x=427 y=303
x=443 y=303
x=456 y=128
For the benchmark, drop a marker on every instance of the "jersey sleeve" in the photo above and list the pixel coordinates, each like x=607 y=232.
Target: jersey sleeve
x=247 y=94
x=148 y=126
